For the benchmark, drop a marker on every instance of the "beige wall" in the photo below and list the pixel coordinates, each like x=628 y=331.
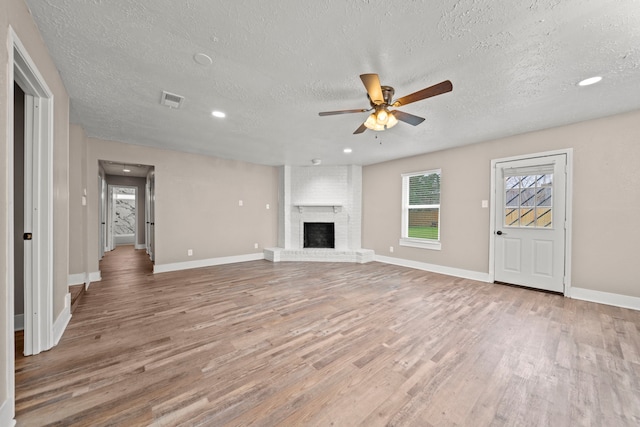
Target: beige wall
x=606 y=201
x=14 y=13
x=77 y=212
x=196 y=203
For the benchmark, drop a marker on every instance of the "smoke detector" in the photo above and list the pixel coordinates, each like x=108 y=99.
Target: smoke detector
x=171 y=100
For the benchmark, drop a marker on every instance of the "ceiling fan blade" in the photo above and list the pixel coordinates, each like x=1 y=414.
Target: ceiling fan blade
x=407 y=118
x=361 y=129
x=434 y=90
x=333 y=113
x=372 y=84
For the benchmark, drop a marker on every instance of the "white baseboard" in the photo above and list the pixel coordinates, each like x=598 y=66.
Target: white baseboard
x=140 y=246
x=76 y=279
x=617 y=300
x=6 y=413
x=176 y=266
x=449 y=271
x=607 y=298
x=83 y=278
x=93 y=277
x=62 y=321
x=18 y=322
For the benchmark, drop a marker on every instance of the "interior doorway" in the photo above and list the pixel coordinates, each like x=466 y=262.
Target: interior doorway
x=31 y=220
x=126 y=205
x=18 y=211
x=122 y=225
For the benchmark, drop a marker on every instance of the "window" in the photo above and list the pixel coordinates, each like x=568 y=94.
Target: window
x=421 y=210
x=528 y=197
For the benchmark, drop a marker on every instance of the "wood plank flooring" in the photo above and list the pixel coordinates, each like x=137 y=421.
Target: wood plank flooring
x=329 y=344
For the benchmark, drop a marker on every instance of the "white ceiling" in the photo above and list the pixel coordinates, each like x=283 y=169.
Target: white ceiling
x=514 y=67
x=118 y=168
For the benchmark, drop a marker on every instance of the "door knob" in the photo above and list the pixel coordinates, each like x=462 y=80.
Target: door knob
x=499 y=233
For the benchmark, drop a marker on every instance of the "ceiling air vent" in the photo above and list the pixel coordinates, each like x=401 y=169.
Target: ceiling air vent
x=171 y=100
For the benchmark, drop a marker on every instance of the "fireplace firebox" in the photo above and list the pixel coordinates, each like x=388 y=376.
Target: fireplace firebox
x=319 y=235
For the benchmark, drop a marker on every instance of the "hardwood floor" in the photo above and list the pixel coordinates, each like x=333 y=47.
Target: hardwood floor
x=289 y=344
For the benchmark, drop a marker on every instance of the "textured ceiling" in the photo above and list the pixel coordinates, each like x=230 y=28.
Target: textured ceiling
x=514 y=67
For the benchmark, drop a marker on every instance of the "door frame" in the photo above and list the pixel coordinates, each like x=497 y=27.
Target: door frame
x=102 y=216
x=568 y=211
x=150 y=208
x=112 y=213
x=38 y=328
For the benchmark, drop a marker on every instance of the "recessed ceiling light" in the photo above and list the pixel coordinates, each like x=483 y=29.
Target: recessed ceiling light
x=590 y=81
x=347 y=150
x=202 y=59
x=219 y=114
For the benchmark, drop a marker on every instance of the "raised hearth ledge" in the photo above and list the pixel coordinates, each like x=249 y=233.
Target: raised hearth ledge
x=360 y=256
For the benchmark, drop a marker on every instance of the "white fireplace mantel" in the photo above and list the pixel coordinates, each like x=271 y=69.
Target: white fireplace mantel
x=336 y=206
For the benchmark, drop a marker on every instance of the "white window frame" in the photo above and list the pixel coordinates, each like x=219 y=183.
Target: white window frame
x=415 y=242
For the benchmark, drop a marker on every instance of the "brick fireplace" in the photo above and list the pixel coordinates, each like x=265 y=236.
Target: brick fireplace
x=320 y=194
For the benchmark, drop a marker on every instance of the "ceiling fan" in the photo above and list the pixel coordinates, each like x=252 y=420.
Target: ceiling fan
x=381 y=98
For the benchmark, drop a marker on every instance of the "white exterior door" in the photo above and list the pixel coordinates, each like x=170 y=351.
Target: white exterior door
x=530 y=222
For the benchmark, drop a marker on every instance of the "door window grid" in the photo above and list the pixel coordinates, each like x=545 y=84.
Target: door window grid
x=528 y=201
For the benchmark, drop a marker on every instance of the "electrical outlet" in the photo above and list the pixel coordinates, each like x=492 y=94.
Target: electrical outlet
x=268 y=207
x=391 y=249
x=255 y=245
x=189 y=252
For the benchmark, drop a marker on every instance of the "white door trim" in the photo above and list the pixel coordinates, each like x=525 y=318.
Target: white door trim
x=39 y=295
x=568 y=211
x=112 y=209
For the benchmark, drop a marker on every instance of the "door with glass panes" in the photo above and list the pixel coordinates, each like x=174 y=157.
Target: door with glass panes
x=530 y=206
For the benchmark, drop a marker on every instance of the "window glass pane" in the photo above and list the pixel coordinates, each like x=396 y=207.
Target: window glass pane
x=513 y=198
x=512 y=217
x=527 y=217
x=543 y=217
x=512 y=182
x=543 y=197
x=527 y=197
x=424 y=189
x=545 y=180
x=423 y=223
x=528 y=200
x=528 y=181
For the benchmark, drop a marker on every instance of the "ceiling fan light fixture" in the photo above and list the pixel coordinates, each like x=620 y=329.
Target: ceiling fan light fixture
x=381 y=120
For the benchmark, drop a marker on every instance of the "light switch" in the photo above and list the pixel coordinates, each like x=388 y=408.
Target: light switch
x=485 y=203
x=240 y=203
